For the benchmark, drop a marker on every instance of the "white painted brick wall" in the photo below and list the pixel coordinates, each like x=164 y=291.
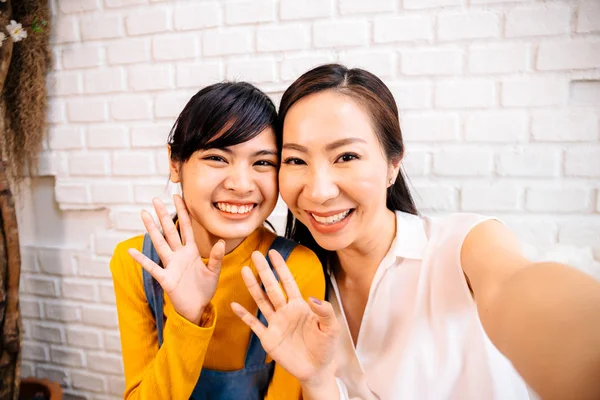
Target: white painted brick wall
x=499 y=103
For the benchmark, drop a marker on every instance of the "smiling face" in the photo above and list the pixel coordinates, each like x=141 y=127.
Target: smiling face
x=334 y=174
x=229 y=191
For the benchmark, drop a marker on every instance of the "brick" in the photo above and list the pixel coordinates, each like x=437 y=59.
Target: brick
x=474 y=93
x=56 y=112
x=27 y=369
x=101 y=27
x=162 y=162
x=539 y=162
x=468 y=25
x=541 y=20
x=107 y=137
x=588 y=16
x=417 y=163
x=581 y=232
x=40 y=286
x=438 y=127
x=112 y=342
x=340 y=33
x=584 y=92
x=55 y=374
x=583 y=162
x=413 y=4
x=533 y=231
x=63 y=83
x=380 y=63
x=568 y=55
x=108 y=363
x=531 y=92
x=565 y=126
x=116 y=385
x=32 y=351
x=88 y=382
x=143 y=23
x=169 y=105
x=435 y=197
x=348 y=7
x=81 y=57
x=112 y=193
x=308 y=9
x=77 y=6
x=198 y=75
x=129 y=108
x=253 y=70
x=30 y=308
x=150 y=77
x=175 y=47
x=249 y=11
x=101 y=316
x=93 y=268
x=144 y=192
x=72 y=193
x=294 y=66
x=558 y=199
x=89 y=164
x=227 y=41
x=29 y=259
x=154 y=135
x=47 y=332
x=490 y=197
x=127 y=51
x=133 y=163
x=104 y=81
x=432 y=61
x=404 y=28
x=56 y=261
x=123 y=3
x=503 y=126
x=499 y=58
x=106 y=290
x=86 y=110
x=59 y=311
x=412 y=95
x=87 y=338
x=79 y=290
x=282 y=38
x=198 y=16
x=463 y=162
x=65 y=138
x=65 y=30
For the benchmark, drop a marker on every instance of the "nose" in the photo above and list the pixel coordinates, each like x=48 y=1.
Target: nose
x=321 y=186
x=240 y=180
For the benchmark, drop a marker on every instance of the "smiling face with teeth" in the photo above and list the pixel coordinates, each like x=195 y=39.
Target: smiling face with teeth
x=230 y=191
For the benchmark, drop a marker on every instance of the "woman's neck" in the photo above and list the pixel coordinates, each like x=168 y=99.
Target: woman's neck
x=360 y=260
x=205 y=241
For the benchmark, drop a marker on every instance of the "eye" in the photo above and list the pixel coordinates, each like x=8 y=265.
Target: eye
x=346 y=157
x=265 y=163
x=214 y=158
x=293 y=161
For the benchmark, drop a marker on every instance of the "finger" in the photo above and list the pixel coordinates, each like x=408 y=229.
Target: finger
x=153 y=269
x=269 y=281
x=327 y=321
x=249 y=319
x=158 y=240
x=166 y=222
x=185 y=223
x=285 y=276
x=216 y=257
x=257 y=293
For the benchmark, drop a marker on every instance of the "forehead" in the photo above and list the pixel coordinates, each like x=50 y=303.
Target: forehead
x=327 y=116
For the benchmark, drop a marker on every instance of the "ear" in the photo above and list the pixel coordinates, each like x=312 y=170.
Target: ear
x=394 y=170
x=174 y=168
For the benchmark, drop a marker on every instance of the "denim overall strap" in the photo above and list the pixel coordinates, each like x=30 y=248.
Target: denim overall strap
x=256 y=354
x=154 y=292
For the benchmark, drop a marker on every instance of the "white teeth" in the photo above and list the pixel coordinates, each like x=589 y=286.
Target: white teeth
x=234 y=209
x=332 y=219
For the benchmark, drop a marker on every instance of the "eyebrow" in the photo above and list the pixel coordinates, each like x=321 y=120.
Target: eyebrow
x=329 y=147
x=255 y=154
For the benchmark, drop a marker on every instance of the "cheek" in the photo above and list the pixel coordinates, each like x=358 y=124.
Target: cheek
x=268 y=185
x=288 y=186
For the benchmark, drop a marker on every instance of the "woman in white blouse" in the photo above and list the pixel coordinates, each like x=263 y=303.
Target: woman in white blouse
x=418 y=308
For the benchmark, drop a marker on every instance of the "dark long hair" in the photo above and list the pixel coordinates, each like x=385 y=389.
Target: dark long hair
x=221 y=115
x=374 y=95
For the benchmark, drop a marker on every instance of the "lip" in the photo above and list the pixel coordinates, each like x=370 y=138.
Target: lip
x=328 y=213
x=232 y=216
x=332 y=228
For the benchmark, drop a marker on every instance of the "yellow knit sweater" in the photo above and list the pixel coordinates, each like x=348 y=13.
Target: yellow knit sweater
x=220 y=342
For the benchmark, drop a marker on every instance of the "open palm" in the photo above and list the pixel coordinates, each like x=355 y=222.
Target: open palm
x=300 y=335
x=189 y=283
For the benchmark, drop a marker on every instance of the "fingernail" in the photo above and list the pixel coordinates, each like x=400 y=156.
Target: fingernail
x=222 y=241
x=316 y=301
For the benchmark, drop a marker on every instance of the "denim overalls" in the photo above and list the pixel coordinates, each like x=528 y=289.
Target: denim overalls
x=249 y=383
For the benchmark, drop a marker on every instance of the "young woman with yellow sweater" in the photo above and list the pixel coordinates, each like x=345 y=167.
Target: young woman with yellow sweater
x=180 y=338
